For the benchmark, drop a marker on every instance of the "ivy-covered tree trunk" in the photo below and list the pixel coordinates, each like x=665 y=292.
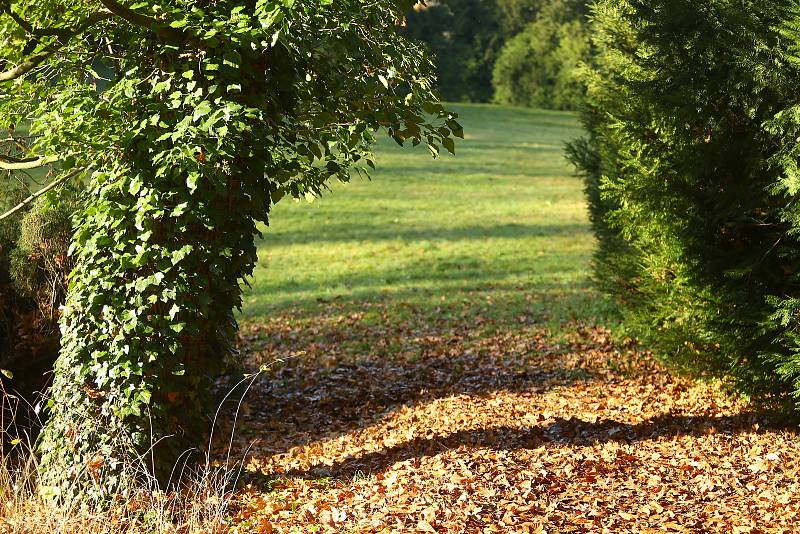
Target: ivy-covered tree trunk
x=147 y=324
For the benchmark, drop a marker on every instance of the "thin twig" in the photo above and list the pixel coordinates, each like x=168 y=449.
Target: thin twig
x=37 y=59
x=12 y=164
x=39 y=193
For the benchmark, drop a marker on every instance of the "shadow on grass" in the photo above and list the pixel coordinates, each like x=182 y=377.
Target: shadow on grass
x=480 y=166
x=562 y=272
x=553 y=302
x=337 y=233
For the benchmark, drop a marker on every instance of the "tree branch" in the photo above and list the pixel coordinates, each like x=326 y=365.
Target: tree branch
x=39 y=193
x=24 y=24
x=13 y=164
x=165 y=32
x=62 y=33
x=26 y=66
x=37 y=59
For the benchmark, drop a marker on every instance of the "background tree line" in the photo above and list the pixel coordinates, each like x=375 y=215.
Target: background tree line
x=520 y=52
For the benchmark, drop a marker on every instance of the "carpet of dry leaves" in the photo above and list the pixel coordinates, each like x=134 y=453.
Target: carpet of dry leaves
x=461 y=426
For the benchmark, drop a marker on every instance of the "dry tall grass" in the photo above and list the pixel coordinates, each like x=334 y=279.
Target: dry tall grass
x=197 y=503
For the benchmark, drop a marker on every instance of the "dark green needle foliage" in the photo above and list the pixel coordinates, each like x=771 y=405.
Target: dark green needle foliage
x=692 y=177
x=187 y=120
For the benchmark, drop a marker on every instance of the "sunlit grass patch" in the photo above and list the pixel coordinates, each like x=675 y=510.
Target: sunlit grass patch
x=500 y=230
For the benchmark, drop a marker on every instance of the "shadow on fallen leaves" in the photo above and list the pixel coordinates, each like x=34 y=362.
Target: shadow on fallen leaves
x=571 y=431
x=338 y=383
x=373 y=425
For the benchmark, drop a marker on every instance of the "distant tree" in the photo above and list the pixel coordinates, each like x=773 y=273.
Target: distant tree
x=516 y=14
x=210 y=112
x=465 y=37
x=538 y=66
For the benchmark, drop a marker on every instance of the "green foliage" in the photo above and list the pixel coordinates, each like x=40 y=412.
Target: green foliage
x=691 y=168
x=514 y=15
x=33 y=270
x=520 y=52
x=213 y=112
x=465 y=37
x=537 y=67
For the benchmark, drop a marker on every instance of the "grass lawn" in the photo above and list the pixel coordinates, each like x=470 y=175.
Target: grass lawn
x=499 y=231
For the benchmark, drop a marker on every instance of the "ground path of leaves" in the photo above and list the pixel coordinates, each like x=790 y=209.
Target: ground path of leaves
x=384 y=427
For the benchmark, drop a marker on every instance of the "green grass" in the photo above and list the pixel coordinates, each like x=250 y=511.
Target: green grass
x=500 y=230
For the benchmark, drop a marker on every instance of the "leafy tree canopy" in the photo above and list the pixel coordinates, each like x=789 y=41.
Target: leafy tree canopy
x=522 y=52
x=516 y=14
x=188 y=120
